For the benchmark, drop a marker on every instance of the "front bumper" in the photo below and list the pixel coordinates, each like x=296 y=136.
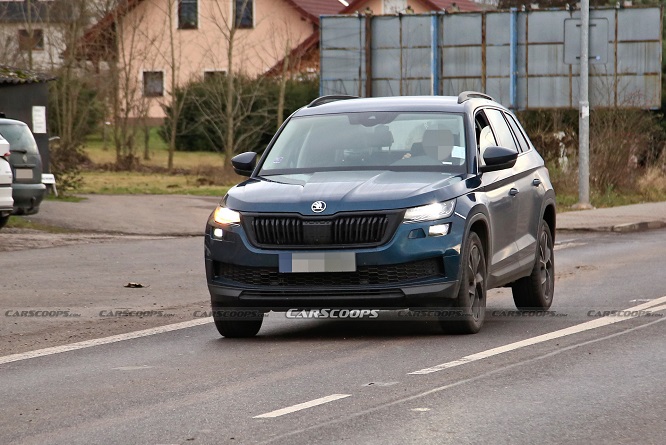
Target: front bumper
x=27 y=198
x=374 y=285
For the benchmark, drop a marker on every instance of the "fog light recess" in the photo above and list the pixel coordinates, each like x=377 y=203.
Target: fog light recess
x=218 y=233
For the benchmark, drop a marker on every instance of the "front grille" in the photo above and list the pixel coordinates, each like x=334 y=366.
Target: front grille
x=359 y=229
x=365 y=275
x=294 y=231
x=281 y=231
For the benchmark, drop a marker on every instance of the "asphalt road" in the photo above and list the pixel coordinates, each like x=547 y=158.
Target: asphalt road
x=569 y=377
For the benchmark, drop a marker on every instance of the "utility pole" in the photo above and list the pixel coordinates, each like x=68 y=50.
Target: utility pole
x=584 y=111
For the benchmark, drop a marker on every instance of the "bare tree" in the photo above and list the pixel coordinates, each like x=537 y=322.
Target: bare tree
x=249 y=118
x=165 y=46
x=283 y=85
x=74 y=100
x=129 y=104
x=19 y=35
x=228 y=26
x=173 y=62
x=9 y=52
x=288 y=59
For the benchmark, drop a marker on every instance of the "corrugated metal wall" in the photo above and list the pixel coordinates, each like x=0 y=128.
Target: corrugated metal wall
x=523 y=59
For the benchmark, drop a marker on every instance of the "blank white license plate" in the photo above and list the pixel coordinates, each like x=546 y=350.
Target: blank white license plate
x=23 y=173
x=317 y=262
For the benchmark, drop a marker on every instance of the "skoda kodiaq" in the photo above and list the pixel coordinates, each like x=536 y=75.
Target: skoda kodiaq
x=385 y=203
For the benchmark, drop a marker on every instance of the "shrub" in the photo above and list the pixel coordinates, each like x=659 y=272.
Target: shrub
x=623 y=143
x=201 y=126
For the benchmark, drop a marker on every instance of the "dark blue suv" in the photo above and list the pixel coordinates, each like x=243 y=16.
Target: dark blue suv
x=385 y=203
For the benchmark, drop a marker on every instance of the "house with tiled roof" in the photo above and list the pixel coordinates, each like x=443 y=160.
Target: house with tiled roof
x=30 y=33
x=138 y=34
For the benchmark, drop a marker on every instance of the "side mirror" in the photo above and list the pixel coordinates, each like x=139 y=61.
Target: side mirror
x=498 y=158
x=244 y=163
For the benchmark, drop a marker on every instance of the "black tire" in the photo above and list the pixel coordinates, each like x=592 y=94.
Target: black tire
x=535 y=292
x=3 y=221
x=469 y=308
x=237 y=328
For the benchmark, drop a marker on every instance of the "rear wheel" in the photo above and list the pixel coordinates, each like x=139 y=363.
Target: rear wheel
x=469 y=308
x=237 y=328
x=3 y=221
x=536 y=291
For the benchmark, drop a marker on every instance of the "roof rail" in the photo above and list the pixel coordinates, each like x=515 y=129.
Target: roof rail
x=466 y=95
x=331 y=98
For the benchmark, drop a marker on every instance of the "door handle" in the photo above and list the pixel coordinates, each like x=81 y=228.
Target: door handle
x=514 y=192
x=536 y=182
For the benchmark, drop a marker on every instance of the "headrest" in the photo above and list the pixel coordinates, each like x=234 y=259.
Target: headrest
x=438 y=138
x=382 y=136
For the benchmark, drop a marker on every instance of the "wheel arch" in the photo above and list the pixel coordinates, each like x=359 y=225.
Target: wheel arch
x=478 y=223
x=549 y=215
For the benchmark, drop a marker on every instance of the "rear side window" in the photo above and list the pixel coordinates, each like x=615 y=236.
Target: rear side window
x=517 y=131
x=502 y=131
x=19 y=137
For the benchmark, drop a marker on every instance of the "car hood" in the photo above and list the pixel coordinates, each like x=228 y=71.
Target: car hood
x=343 y=191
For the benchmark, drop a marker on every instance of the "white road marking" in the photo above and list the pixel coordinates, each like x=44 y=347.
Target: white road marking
x=302 y=406
x=567 y=245
x=597 y=323
x=104 y=341
x=420 y=410
x=132 y=368
x=465 y=381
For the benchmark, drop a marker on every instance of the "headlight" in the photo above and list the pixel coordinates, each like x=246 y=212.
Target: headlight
x=225 y=216
x=430 y=212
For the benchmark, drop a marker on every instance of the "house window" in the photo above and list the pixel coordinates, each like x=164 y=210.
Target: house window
x=211 y=76
x=244 y=13
x=27 y=43
x=188 y=14
x=153 y=83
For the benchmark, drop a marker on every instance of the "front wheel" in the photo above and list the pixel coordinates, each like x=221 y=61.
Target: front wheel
x=237 y=328
x=536 y=291
x=469 y=308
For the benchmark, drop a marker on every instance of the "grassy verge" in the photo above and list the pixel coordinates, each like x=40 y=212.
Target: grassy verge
x=112 y=183
x=101 y=153
x=19 y=222
x=198 y=173
x=201 y=173
x=64 y=198
x=608 y=199
x=116 y=183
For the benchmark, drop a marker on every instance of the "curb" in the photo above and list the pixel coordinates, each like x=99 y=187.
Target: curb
x=641 y=226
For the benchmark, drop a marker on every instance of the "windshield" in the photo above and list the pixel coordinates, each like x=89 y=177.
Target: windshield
x=19 y=137
x=369 y=141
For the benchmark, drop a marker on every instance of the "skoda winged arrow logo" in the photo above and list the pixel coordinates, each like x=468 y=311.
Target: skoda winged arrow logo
x=318 y=206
